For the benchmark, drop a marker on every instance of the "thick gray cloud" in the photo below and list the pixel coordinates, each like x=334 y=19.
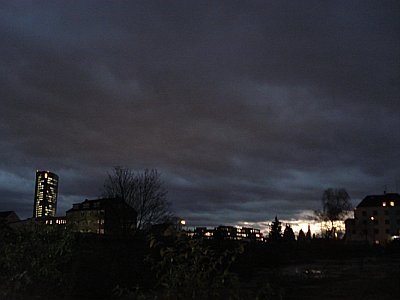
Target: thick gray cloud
x=248 y=108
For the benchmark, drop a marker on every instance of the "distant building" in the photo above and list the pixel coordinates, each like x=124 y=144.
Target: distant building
x=102 y=216
x=11 y=219
x=249 y=234
x=225 y=233
x=8 y=217
x=376 y=219
x=229 y=233
x=46 y=189
x=203 y=232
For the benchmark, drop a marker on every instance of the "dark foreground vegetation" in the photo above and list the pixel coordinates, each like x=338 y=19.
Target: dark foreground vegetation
x=52 y=263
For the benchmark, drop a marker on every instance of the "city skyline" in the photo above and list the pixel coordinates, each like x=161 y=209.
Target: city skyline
x=247 y=109
x=46 y=194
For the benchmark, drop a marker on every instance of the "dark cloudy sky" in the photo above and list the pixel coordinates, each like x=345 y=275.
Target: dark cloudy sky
x=248 y=108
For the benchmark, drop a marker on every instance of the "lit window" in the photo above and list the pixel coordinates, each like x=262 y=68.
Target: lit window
x=383 y=203
x=391 y=203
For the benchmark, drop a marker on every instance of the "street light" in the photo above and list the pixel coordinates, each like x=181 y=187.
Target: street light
x=182 y=223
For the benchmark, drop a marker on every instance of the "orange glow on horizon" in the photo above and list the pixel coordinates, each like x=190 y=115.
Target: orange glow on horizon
x=316 y=227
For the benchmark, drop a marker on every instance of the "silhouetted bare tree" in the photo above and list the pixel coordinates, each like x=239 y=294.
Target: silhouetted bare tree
x=335 y=204
x=144 y=191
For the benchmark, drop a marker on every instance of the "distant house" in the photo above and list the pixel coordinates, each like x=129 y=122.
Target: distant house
x=102 y=216
x=8 y=217
x=376 y=219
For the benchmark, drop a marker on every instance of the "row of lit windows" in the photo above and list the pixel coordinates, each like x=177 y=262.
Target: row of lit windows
x=248 y=234
x=57 y=221
x=247 y=230
x=239 y=236
x=391 y=203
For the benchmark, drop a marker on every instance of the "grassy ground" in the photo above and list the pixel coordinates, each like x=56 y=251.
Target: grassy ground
x=359 y=278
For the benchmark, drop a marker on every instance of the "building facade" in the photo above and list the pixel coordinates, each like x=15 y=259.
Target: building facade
x=376 y=220
x=46 y=191
x=102 y=216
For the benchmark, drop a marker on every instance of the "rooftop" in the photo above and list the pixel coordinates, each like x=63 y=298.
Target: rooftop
x=100 y=204
x=379 y=200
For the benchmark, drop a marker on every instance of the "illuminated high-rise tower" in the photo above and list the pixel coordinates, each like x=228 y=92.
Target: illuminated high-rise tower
x=45 y=194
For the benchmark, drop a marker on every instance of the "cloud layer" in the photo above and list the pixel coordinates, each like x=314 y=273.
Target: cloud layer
x=249 y=109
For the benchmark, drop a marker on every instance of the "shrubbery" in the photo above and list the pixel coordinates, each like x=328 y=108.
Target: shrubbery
x=191 y=269
x=54 y=263
x=34 y=261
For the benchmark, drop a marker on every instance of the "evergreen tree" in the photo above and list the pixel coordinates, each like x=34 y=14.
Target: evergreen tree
x=308 y=234
x=275 y=234
x=301 y=237
x=288 y=234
